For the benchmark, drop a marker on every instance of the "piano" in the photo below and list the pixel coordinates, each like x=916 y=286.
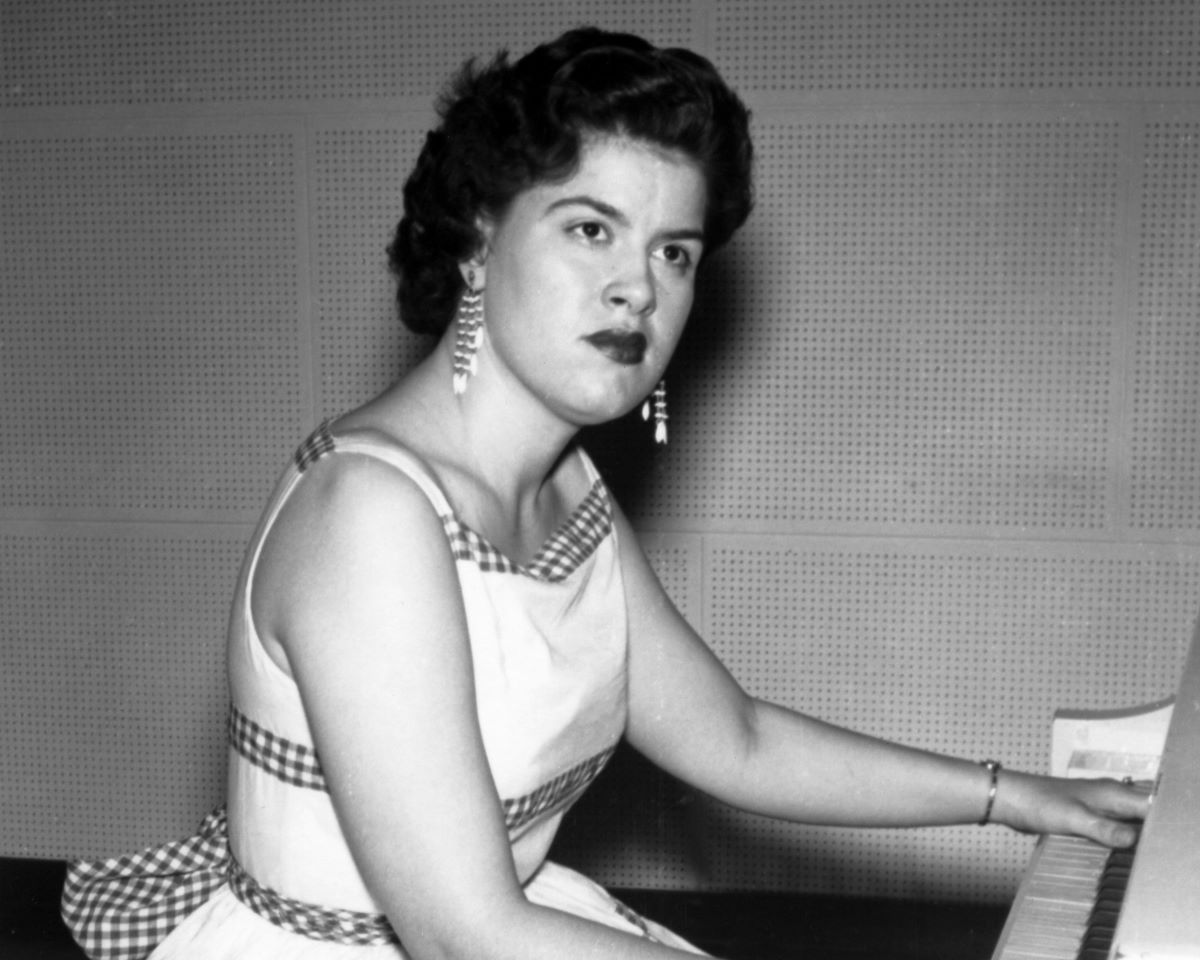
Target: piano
x=1080 y=900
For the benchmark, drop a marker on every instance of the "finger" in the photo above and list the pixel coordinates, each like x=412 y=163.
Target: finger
x=1139 y=786
x=1122 y=800
x=1135 y=799
x=1115 y=833
x=1116 y=811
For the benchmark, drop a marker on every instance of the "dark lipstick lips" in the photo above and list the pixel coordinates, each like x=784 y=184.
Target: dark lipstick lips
x=623 y=346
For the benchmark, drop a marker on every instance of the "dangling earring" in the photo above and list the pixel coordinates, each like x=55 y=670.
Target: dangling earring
x=468 y=320
x=659 y=399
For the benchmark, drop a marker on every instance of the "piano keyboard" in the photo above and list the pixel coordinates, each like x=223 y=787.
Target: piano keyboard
x=1151 y=912
x=1050 y=915
x=1069 y=903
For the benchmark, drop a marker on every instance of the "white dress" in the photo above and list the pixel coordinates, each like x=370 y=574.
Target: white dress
x=271 y=875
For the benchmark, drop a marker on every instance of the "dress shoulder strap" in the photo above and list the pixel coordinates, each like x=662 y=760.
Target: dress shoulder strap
x=372 y=443
x=321 y=443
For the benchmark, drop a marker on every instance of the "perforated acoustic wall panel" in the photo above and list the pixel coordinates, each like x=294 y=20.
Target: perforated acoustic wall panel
x=112 y=660
x=947 y=45
x=902 y=368
x=872 y=635
x=1166 y=398
x=933 y=432
x=76 y=53
x=357 y=182
x=965 y=648
x=152 y=361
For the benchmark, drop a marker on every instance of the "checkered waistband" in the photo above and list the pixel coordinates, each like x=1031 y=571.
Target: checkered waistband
x=297 y=764
x=553 y=793
x=335 y=925
x=122 y=908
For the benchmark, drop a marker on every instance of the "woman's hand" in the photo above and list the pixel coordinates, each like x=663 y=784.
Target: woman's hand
x=1106 y=811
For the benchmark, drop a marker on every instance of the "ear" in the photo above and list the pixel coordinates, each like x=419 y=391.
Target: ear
x=474 y=270
x=474 y=274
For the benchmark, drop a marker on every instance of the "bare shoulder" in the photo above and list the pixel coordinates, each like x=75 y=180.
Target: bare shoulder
x=356 y=534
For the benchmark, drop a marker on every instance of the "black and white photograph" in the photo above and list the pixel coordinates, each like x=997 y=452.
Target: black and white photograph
x=599 y=479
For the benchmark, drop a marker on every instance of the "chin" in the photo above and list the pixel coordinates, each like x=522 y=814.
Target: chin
x=600 y=413
x=600 y=400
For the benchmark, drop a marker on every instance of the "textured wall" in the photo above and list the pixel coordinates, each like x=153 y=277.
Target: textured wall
x=934 y=441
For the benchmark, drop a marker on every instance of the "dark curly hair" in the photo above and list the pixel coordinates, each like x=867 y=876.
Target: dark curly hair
x=507 y=126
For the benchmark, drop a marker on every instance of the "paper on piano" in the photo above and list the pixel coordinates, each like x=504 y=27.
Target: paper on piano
x=1110 y=743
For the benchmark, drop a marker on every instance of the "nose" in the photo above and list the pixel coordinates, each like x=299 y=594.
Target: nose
x=633 y=288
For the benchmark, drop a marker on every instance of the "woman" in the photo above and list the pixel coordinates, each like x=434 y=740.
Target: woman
x=444 y=605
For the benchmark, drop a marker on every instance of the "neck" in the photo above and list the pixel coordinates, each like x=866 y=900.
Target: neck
x=495 y=432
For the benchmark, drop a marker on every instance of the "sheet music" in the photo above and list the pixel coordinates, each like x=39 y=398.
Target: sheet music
x=1110 y=743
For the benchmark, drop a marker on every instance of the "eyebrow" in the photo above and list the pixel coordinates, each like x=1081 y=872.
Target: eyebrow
x=608 y=210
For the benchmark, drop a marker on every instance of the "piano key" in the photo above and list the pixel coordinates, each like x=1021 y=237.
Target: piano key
x=1152 y=892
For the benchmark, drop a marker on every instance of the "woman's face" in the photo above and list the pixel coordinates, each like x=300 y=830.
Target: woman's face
x=589 y=281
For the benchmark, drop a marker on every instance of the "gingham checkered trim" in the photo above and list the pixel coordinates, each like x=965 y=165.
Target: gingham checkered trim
x=290 y=762
x=632 y=916
x=561 y=555
x=319 y=443
x=347 y=927
x=121 y=908
x=298 y=765
x=554 y=793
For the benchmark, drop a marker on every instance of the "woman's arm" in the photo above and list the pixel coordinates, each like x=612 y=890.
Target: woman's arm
x=688 y=715
x=358 y=589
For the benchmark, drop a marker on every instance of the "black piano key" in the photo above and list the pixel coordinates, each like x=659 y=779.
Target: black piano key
x=1102 y=923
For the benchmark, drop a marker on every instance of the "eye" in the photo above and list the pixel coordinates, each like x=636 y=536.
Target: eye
x=591 y=230
x=677 y=255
